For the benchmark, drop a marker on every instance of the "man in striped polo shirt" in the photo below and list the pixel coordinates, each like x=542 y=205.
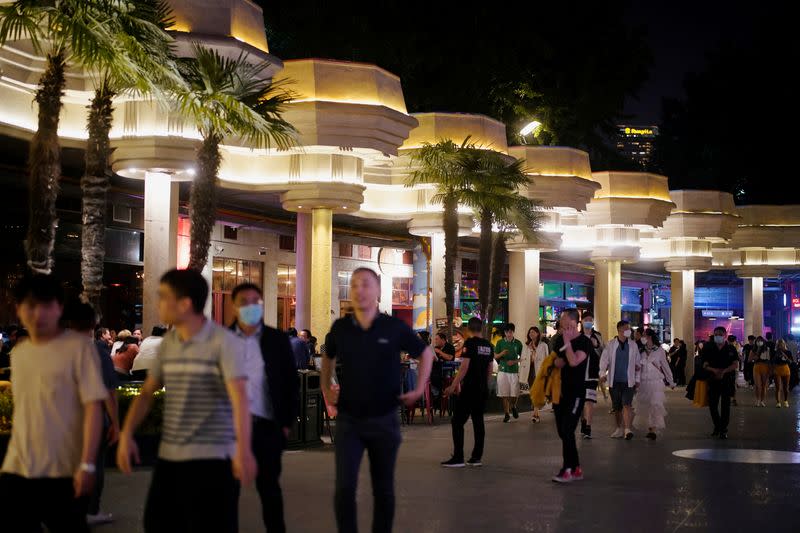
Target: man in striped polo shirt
x=205 y=441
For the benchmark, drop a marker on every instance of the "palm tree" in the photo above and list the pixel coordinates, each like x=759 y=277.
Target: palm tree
x=438 y=164
x=226 y=97
x=142 y=63
x=64 y=31
x=494 y=196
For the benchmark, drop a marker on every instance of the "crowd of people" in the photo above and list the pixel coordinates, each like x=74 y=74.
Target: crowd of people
x=233 y=395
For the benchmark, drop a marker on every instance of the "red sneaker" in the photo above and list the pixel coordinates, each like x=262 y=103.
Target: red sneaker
x=578 y=474
x=564 y=476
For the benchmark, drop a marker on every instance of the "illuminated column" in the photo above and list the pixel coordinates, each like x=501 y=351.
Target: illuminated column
x=160 y=239
x=754 y=306
x=321 y=267
x=607 y=289
x=302 y=317
x=438 y=308
x=682 y=311
x=385 y=305
x=523 y=289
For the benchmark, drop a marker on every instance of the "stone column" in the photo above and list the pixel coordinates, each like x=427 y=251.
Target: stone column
x=385 y=305
x=302 y=314
x=321 y=268
x=438 y=308
x=160 y=240
x=682 y=310
x=607 y=289
x=754 y=306
x=523 y=289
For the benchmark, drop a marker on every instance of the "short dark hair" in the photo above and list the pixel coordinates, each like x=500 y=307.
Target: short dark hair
x=246 y=287
x=442 y=336
x=653 y=335
x=720 y=328
x=366 y=270
x=158 y=331
x=587 y=314
x=751 y=337
x=769 y=335
x=79 y=316
x=307 y=332
x=573 y=313
x=99 y=332
x=475 y=324
x=292 y=332
x=41 y=288
x=622 y=324
x=510 y=327
x=731 y=338
x=190 y=284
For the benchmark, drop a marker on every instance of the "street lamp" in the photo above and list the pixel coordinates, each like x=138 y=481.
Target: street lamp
x=529 y=128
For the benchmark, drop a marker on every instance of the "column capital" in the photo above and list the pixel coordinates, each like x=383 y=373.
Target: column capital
x=688 y=263
x=134 y=157
x=430 y=223
x=338 y=197
x=757 y=271
x=545 y=241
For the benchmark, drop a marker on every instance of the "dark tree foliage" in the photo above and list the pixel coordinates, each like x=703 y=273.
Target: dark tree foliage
x=733 y=130
x=568 y=64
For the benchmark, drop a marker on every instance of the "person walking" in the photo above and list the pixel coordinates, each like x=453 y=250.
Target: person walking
x=780 y=369
x=650 y=398
x=367 y=344
x=507 y=353
x=573 y=350
x=538 y=350
x=621 y=364
x=471 y=385
x=592 y=372
x=761 y=361
x=49 y=468
x=273 y=392
x=720 y=361
x=205 y=449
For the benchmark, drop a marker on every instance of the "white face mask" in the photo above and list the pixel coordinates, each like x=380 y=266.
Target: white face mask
x=627 y=333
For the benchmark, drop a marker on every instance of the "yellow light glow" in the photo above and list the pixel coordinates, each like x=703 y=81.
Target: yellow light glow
x=530 y=127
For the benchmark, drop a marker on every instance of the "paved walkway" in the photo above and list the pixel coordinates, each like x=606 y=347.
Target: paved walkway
x=630 y=486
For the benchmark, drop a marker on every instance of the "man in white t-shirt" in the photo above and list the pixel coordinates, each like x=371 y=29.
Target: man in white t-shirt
x=58 y=388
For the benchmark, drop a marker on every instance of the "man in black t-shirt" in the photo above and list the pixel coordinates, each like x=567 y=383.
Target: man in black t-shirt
x=368 y=346
x=472 y=381
x=573 y=349
x=444 y=352
x=721 y=362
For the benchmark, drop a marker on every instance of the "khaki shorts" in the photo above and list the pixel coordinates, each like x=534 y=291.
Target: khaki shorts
x=507 y=385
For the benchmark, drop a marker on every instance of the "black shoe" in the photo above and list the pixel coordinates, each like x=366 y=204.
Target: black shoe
x=629 y=435
x=651 y=436
x=587 y=432
x=474 y=462
x=723 y=435
x=583 y=426
x=506 y=418
x=453 y=463
x=716 y=433
x=514 y=412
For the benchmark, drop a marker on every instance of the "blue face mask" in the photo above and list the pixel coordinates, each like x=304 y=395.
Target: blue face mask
x=251 y=315
x=588 y=325
x=719 y=339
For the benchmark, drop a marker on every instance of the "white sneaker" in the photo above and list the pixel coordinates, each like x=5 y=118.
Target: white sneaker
x=99 y=518
x=618 y=434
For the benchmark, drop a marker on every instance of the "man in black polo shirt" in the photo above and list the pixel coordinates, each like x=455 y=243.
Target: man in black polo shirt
x=368 y=346
x=572 y=348
x=473 y=382
x=721 y=362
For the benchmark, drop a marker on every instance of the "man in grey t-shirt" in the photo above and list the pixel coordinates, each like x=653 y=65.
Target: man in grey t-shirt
x=205 y=441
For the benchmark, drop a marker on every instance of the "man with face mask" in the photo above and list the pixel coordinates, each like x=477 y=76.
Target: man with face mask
x=592 y=372
x=621 y=365
x=273 y=389
x=721 y=362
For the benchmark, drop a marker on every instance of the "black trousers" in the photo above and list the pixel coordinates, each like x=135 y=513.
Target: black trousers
x=567 y=414
x=468 y=406
x=192 y=496
x=380 y=437
x=268 y=445
x=27 y=503
x=719 y=391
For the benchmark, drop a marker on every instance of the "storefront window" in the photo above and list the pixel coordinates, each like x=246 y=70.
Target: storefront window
x=227 y=273
x=402 y=293
x=287 y=291
x=344 y=284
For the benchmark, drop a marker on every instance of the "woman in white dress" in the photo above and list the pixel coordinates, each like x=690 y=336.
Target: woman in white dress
x=535 y=352
x=649 y=400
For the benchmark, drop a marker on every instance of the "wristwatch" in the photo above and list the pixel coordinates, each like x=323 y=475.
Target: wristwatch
x=89 y=468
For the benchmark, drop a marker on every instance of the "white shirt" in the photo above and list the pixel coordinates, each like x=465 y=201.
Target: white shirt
x=148 y=351
x=257 y=387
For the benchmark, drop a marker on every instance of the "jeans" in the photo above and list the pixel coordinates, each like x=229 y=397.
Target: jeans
x=192 y=496
x=567 y=414
x=719 y=390
x=268 y=444
x=27 y=503
x=380 y=436
x=468 y=406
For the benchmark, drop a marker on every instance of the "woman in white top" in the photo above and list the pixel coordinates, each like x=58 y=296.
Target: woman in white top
x=649 y=401
x=535 y=352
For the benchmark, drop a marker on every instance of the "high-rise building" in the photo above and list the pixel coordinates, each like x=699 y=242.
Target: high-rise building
x=636 y=142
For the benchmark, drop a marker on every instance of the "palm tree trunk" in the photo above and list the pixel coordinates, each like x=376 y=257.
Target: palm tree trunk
x=450 y=223
x=203 y=201
x=94 y=186
x=44 y=169
x=484 y=263
x=499 y=254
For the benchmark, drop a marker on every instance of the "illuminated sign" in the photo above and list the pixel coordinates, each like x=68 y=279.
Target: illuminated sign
x=717 y=313
x=796 y=303
x=638 y=131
